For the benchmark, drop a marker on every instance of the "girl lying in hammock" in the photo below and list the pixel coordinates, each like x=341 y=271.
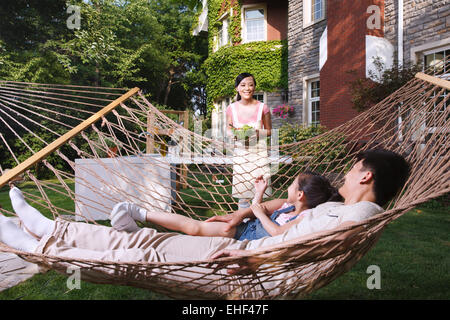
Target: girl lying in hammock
x=307 y=191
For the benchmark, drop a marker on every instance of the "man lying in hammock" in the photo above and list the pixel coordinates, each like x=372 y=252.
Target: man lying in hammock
x=376 y=177
x=271 y=218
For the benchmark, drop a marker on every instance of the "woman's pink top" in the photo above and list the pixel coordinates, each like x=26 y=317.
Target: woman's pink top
x=253 y=118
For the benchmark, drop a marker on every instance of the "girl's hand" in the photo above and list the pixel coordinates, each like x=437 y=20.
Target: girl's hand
x=260 y=185
x=258 y=210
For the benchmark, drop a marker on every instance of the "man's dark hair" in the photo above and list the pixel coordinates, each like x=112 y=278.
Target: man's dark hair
x=317 y=189
x=390 y=171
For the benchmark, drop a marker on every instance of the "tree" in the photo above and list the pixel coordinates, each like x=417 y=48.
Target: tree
x=25 y=28
x=26 y=24
x=117 y=43
x=184 y=51
x=367 y=92
x=120 y=43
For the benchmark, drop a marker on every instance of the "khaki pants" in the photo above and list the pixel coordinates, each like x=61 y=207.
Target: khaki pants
x=96 y=242
x=80 y=243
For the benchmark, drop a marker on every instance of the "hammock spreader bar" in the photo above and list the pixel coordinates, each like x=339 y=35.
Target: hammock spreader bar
x=434 y=80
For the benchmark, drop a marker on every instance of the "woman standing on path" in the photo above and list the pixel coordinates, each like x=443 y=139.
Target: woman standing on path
x=250 y=161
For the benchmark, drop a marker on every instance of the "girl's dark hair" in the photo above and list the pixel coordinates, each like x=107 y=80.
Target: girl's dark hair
x=238 y=80
x=317 y=189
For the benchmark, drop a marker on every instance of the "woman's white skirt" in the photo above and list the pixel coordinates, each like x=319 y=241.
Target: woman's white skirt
x=248 y=164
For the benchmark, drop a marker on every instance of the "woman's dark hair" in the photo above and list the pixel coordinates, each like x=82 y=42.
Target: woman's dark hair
x=317 y=189
x=238 y=80
x=390 y=172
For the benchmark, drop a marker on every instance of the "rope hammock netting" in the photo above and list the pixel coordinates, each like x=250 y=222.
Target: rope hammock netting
x=94 y=147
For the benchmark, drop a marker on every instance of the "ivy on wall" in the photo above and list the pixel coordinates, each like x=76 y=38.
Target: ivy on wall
x=266 y=60
x=216 y=8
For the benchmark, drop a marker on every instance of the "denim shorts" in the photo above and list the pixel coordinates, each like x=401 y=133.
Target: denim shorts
x=253 y=229
x=250 y=230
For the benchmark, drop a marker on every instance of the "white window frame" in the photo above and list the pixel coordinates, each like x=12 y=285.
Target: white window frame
x=418 y=54
x=244 y=24
x=418 y=51
x=307 y=100
x=263 y=94
x=307 y=13
x=432 y=51
x=428 y=52
x=225 y=18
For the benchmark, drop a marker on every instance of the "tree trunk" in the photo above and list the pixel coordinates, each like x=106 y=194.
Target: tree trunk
x=97 y=75
x=169 y=86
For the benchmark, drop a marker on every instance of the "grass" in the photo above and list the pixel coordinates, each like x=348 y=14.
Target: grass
x=413 y=255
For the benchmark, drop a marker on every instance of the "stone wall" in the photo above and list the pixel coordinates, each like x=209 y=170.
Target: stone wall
x=303 y=57
x=391 y=21
x=425 y=21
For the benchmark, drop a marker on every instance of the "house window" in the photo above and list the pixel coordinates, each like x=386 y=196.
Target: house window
x=313 y=11
x=259 y=97
x=434 y=62
x=317 y=10
x=314 y=102
x=223 y=35
x=254 y=24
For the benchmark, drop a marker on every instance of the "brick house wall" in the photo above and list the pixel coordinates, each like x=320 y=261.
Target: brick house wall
x=426 y=26
x=346 y=62
x=277 y=24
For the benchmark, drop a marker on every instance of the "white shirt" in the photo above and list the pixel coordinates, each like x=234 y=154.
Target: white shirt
x=326 y=216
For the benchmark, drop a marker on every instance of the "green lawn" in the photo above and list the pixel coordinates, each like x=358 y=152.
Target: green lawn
x=413 y=255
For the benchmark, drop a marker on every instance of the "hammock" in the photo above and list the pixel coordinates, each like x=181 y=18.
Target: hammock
x=94 y=147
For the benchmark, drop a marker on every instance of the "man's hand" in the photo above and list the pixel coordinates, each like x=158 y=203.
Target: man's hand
x=223 y=218
x=245 y=266
x=232 y=220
